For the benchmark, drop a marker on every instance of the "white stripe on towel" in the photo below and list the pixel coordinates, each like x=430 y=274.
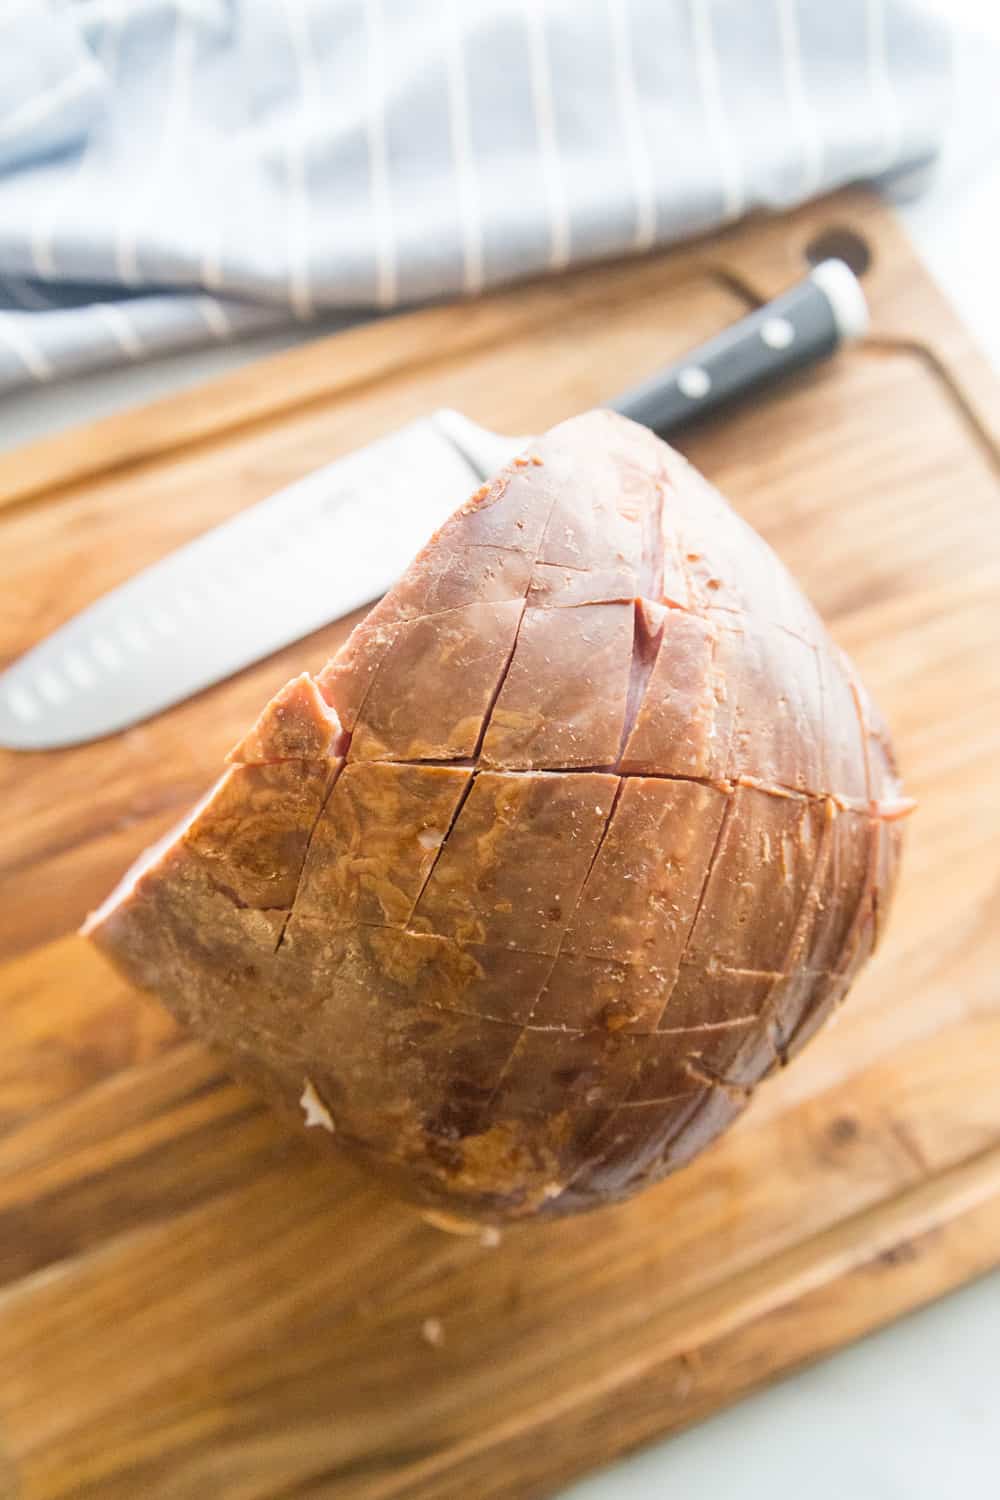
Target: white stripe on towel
x=378 y=160
x=548 y=145
x=635 y=143
x=461 y=146
x=707 y=66
x=120 y=326
x=13 y=334
x=215 y=316
x=300 y=136
x=798 y=104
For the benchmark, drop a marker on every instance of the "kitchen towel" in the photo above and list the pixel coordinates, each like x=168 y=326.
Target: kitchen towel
x=178 y=171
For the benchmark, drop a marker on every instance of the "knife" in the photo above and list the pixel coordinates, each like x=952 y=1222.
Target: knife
x=340 y=537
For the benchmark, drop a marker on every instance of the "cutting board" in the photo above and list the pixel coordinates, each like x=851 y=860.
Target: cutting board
x=194 y=1302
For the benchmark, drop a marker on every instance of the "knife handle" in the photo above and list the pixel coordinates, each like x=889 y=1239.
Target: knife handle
x=807 y=323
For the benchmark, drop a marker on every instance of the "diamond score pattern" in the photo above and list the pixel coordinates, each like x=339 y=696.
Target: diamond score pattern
x=586 y=829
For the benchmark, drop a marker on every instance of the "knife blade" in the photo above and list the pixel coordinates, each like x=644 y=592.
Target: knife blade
x=311 y=552
x=342 y=535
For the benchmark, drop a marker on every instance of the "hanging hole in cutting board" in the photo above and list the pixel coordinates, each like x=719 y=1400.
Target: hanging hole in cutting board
x=840 y=243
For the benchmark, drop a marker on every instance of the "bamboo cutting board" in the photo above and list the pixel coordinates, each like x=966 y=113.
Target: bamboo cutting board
x=193 y=1302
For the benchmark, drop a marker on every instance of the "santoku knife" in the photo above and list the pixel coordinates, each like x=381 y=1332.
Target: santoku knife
x=339 y=538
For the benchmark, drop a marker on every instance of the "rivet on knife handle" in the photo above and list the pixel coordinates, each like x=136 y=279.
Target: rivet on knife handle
x=807 y=323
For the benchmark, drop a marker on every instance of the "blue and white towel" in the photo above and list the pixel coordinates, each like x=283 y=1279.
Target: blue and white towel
x=178 y=171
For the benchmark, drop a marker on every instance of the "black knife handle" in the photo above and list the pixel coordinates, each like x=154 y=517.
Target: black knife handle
x=807 y=323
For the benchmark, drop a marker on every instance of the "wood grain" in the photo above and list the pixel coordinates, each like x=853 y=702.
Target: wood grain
x=191 y=1301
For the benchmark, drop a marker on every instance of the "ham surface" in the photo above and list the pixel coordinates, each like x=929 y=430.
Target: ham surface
x=586 y=829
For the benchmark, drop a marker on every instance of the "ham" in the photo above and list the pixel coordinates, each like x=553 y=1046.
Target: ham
x=585 y=830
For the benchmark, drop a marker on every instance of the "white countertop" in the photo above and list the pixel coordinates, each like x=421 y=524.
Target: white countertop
x=908 y=1414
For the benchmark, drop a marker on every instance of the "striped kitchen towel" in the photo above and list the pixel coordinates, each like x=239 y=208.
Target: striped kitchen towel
x=177 y=171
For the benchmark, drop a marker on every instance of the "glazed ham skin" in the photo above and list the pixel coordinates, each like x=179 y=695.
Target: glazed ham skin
x=585 y=830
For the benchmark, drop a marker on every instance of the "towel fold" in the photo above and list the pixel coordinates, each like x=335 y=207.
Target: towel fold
x=179 y=171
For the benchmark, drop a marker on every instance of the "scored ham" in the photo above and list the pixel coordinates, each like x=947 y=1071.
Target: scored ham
x=585 y=830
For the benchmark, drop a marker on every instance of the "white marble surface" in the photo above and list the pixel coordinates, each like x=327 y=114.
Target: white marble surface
x=908 y=1414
